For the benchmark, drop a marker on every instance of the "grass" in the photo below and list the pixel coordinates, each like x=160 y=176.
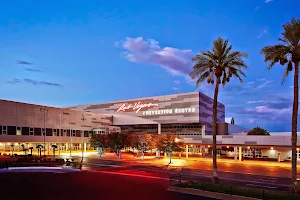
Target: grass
x=241 y=191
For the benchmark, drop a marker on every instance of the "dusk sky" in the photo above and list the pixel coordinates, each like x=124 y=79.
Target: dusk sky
x=79 y=52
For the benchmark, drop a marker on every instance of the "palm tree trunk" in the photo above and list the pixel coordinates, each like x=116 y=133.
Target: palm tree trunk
x=214 y=132
x=294 y=187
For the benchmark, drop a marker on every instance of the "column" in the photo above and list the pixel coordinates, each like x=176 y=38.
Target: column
x=48 y=148
x=84 y=147
x=187 y=151
x=165 y=154
x=240 y=154
x=159 y=128
x=235 y=153
x=203 y=130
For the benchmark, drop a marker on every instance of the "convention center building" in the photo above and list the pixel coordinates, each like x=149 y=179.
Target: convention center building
x=188 y=115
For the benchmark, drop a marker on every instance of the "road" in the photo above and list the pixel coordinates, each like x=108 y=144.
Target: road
x=86 y=185
x=233 y=176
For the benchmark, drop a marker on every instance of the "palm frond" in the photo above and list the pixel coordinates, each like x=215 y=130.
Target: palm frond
x=287 y=70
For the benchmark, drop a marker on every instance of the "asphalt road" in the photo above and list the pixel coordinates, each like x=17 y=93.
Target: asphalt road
x=237 y=178
x=85 y=185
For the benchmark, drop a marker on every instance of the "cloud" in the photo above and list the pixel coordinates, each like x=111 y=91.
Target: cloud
x=32 y=70
x=254 y=102
x=22 y=62
x=264 y=83
x=177 y=82
x=268 y=1
x=251 y=120
x=14 y=81
x=262 y=33
x=257 y=8
x=175 y=88
x=176 y=61
x=33 y=82
x=267 y=110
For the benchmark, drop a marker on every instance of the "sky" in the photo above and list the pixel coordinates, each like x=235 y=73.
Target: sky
x=67 y=52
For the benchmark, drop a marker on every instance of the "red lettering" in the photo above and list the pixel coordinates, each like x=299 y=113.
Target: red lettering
x=137 y=106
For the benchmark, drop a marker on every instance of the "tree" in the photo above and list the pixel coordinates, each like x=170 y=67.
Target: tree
x=99 y=141
x=258 y=131
x=287 y=54
x=117 y=141
x=31 y=148
x=216 y=67
x=169 y=143
x=39 y=147
x=54 y=147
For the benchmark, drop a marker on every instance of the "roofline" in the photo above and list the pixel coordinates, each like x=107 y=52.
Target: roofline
x=142 y=98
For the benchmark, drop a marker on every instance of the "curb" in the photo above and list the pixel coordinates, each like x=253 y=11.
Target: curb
x=202 y=193
x=38 y=169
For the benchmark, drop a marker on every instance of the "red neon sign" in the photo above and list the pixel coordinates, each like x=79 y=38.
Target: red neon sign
x=137 y=106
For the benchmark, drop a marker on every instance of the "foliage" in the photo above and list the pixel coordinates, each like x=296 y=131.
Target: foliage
x=168 y=143
x=258 y=131
x=98 y=140
x=241 y=191
x=118 y=140
x=288 y=52
x=220 y=63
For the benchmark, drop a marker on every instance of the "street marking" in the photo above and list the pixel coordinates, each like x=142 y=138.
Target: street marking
x=271 y=187
x=134 y=175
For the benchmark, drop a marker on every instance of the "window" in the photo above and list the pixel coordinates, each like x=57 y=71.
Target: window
x=54 y=132
x=31 y=131
x=43 y=131
x=73 y=133
x=65 y=132
x=4 y=130
x=18 y=130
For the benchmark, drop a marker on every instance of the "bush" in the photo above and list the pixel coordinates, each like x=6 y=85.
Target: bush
x=241 y=191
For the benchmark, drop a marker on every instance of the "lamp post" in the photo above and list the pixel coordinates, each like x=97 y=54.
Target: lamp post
x=44 y=110
x=82 y=137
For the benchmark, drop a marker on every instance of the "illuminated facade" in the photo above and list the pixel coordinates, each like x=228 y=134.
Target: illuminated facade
x=188 y=115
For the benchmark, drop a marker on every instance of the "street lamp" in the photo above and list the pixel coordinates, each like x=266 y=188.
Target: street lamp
x=44 y=110
x=82 y=135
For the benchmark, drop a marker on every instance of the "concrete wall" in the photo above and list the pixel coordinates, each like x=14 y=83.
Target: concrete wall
x=30 y=115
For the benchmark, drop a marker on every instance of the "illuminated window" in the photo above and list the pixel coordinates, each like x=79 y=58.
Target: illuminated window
x=54 y=132
x=31 y=131
x=18 y=131
x=4 y=130
x=65 y=132
x=43 y=131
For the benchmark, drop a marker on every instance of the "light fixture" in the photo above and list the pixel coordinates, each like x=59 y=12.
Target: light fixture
x=248 y=147
x=297 y=149
x=191 y=145
x=208 y=146
x=272 y=148
x=227 y=147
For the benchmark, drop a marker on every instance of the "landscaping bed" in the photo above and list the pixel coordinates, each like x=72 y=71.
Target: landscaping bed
x=240 y=191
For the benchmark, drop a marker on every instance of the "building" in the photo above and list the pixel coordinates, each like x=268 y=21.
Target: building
x=26 y=125
x=189 y=115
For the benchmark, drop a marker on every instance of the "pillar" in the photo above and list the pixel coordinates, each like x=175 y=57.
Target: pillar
x=158 y=128
x=203 y=130
x=235 y=153
x=187 y=151
x=240 y=154
x=48 y=148
x=194 y=149
x=84 y=147
x=165 y=154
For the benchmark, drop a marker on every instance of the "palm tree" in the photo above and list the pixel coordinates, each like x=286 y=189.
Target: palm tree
x=288 y=54
x=216 y=67
x=39 y=147
x=54 y=146
x=31 y=148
